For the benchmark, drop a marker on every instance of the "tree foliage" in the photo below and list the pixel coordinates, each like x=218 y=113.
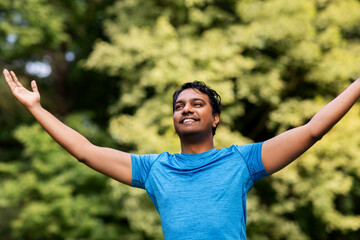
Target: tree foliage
x=275 y=63
x=48 y=195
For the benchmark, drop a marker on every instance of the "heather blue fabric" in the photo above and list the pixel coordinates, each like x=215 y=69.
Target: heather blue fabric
x=201 y=196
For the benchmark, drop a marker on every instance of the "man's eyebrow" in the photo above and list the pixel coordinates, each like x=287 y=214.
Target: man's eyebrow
x=179 y=101
x=197 y=99
x=192 y=100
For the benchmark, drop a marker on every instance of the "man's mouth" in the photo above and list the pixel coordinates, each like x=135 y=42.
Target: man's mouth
x=188 y=120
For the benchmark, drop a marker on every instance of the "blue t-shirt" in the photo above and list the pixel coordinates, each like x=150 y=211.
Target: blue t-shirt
x=200 y=196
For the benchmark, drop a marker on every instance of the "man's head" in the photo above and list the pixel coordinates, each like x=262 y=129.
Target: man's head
x=214 y=98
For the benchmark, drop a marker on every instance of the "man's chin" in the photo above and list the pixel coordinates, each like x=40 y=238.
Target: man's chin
x=187 y=133
x=193 y=135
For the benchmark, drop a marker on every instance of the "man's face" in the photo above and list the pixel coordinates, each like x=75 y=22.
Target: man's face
x=193 y=113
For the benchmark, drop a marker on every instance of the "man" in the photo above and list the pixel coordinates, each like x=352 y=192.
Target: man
x=201 y=192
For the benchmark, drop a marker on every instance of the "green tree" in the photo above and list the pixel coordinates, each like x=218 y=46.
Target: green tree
x=275 y=63
x=49 y=195
x=37 y=179
x=57 y=35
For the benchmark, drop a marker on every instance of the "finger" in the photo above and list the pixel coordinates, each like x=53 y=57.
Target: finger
x=9 y=80
x=34 y=86
x=15 y=79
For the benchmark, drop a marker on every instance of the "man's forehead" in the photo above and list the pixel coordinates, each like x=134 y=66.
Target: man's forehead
x=191 y=93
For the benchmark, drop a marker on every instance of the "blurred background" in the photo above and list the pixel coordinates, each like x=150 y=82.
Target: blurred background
x=108 y=69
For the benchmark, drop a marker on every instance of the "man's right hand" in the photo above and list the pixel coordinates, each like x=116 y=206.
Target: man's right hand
x=28 y=98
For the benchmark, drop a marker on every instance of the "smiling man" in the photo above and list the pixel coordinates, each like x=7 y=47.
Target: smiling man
x=199 y=193
x=196 y=109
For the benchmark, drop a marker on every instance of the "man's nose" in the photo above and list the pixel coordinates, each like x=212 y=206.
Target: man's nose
x=187 y=109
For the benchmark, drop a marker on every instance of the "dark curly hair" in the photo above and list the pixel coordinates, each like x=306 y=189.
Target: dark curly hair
x=215 y=99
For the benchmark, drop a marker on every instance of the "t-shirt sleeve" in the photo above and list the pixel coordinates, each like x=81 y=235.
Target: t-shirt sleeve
x=141 y=165
x=253 y=160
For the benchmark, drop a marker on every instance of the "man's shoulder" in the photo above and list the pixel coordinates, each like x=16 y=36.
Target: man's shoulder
x=247 y=147
x=151 y=158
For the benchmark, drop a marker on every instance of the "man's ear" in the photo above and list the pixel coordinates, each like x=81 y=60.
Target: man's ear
x=216 y=119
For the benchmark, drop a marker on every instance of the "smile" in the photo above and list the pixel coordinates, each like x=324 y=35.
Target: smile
x=188 y=120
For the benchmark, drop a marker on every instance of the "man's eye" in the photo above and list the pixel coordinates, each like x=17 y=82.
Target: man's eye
x=177 y=107
x=198 y=104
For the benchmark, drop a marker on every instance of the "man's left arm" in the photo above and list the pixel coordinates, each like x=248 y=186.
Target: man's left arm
x=281 y=150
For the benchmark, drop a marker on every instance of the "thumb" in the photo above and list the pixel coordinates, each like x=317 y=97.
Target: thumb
x=34 y=86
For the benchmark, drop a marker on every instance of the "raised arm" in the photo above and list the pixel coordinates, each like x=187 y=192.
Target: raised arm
x=281 y=150
x=111 y=162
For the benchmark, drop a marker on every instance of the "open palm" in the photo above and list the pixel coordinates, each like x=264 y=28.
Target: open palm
x=24 y=96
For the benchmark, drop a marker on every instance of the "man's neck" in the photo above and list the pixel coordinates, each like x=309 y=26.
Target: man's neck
x=191 y=145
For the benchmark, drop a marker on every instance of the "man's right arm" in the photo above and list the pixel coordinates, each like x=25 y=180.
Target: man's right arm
x=113 y=163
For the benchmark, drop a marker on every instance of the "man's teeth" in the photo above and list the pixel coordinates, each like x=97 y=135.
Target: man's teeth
x=188 y=120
